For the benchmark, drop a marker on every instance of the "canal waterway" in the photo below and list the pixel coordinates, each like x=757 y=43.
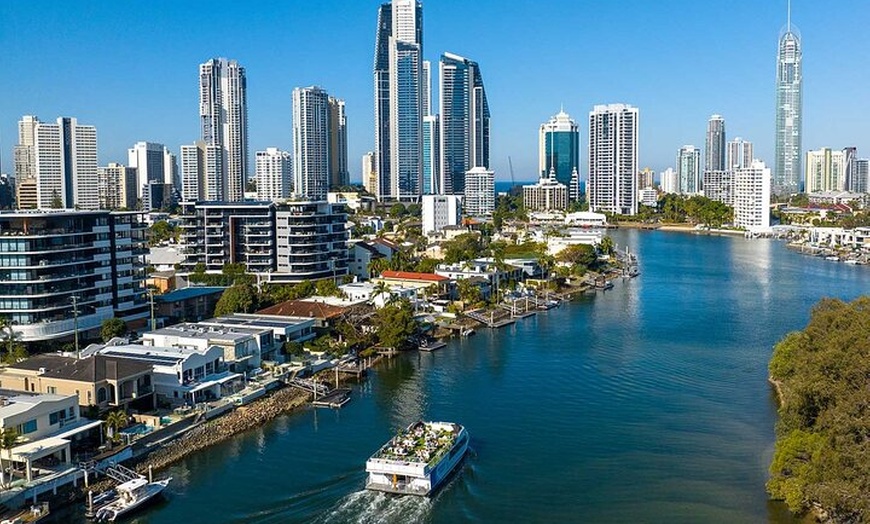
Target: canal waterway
x=648 y=402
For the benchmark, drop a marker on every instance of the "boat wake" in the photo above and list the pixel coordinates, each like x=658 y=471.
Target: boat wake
x=364 y=507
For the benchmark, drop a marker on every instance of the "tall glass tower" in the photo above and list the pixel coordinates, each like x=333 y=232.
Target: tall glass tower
x=559 y=151
x=464 y=122
x=789 y=81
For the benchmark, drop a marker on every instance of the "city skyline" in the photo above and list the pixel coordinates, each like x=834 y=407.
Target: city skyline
x=135 y=107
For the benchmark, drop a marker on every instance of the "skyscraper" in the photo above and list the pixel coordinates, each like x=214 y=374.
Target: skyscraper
x=381 y=158
x=431 y=154
x=689 y=170
x=851 y=155
x=739 y=155
x=65 y=156
x=24 y=157
x=202 y=167
x=406 y=99
x=789 y=115
x=826 y=170
x=714 y=159
x=338 y=173
x=369 y=177
x=479 y=199
x=559 y=151
x=427 y=88
x=223 y=111
x=861 y=176
x=464 y=114
x=274 y=174
x=613 y=147
x=153 y=163
x=310 y=142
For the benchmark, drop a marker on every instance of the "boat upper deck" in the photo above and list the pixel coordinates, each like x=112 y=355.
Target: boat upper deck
x=422 y=443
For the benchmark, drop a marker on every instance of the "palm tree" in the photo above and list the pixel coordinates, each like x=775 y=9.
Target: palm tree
x=7 y=329
x=378 y=266
x=8 y=437
x=115 y=421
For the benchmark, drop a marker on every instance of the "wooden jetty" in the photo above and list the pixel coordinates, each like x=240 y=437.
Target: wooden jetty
x=432 y=346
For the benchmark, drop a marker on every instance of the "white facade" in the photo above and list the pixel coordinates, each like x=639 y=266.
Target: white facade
x=310 y=143
x=670 y=182
x=740 y=154
x=648 y=196
x=440 y=211
x=274 y=174
x=752 y=196
x=479 y=198
x=689 y=170
x=825 y=171
x=239 y=347
x=223 y=112
x=153 y=163
x=202 y=172
x=613 y=150
x=547 y=195
x=54 y=154
x=719 y=186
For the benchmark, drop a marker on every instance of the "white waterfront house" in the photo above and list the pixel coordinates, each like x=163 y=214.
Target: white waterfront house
x=182 y=375
x=241 y=349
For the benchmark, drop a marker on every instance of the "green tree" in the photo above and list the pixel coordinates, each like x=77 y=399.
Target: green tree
x=378 y=266
x=327 y=287
x=466 y=246
x=607 y=246
x=15 y=355
x=398 y=210
x=468 y=291
x=239 y=298
x=8 y=439
x=111 y=328
x=7 y=331
x=116 y=421
x=396 y=325
x=578 y=254
x=161 y=231
x=56 y=201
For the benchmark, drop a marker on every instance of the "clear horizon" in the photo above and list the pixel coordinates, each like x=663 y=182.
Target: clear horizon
x=132 y=70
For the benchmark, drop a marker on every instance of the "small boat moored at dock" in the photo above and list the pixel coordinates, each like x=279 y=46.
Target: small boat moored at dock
x=130 y=495
x=35 y=513
x=418 y=460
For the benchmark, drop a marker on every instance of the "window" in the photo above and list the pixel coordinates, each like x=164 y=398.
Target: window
x=51 y=389
x=101 y=395
x=27 y=427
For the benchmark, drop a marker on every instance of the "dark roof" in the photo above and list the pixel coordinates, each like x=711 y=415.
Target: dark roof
x=188 y=293
x=92 y=369
x=369 y=248
x=303 y=308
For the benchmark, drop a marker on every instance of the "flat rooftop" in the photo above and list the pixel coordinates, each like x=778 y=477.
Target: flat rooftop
x=188 y=293
x=254 y=321
x=21 y=403
x=200 y=331
x=154 y=355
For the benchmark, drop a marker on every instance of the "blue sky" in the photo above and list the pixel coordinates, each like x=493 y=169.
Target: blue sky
x=131 y=68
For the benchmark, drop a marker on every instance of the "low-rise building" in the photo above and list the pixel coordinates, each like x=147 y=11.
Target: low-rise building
x=573 y=237
x=189 y=304
x=440 y=211
x=585 y=219
x=161 y=281
x=50 y=432
x=547 y=195
x=648 y=196
x=101 y=381
x=360 y=256
x=283 y=329
x=241 y=348
x=433 y=283
x=323 y=315
x=182 y=375
x=482 y=267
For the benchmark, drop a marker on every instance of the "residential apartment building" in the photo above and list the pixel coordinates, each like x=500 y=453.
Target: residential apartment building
x=431 y=155
x=714 y=145
x=310 y=143
x=740 y=154
x=65 y=269
x=369 y=175
x=440 y=211
x=669 y=181
x=719 y=186
x=752 y=196
x=153 y=163
x=223 y=112
x=24 y=158
x=65 y=159
x=789 y=113
x=273 y=174
x=290 y=242
x=613 y=150
x=219 y=233
x=339 y=176
x=547 y=195
x=689 y=170
x=479 y=199
x=464 y=114
x=826 y=171
x=117 y=187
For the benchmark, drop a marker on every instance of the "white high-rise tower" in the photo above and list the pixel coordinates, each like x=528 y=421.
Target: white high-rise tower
x=789 y=105
x=310 y=142
x=613 y=148
x=223 y=111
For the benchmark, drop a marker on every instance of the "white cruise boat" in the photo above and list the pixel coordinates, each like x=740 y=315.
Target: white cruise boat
x=131 y=495
x=417 y=460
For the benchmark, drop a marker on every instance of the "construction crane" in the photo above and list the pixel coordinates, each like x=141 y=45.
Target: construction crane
x=511 y=165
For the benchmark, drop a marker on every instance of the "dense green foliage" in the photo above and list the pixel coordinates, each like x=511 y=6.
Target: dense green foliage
x=230 y=274
x=396 y=325
x=239 y=298
x=823 y=437
x=111 y=328
x=467 y=246
x=161 y=232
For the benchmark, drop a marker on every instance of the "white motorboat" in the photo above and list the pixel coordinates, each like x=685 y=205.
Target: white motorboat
x=418 y=460
x=131 y=495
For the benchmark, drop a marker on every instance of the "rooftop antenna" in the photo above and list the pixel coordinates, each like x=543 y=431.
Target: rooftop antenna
x=789 y=17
